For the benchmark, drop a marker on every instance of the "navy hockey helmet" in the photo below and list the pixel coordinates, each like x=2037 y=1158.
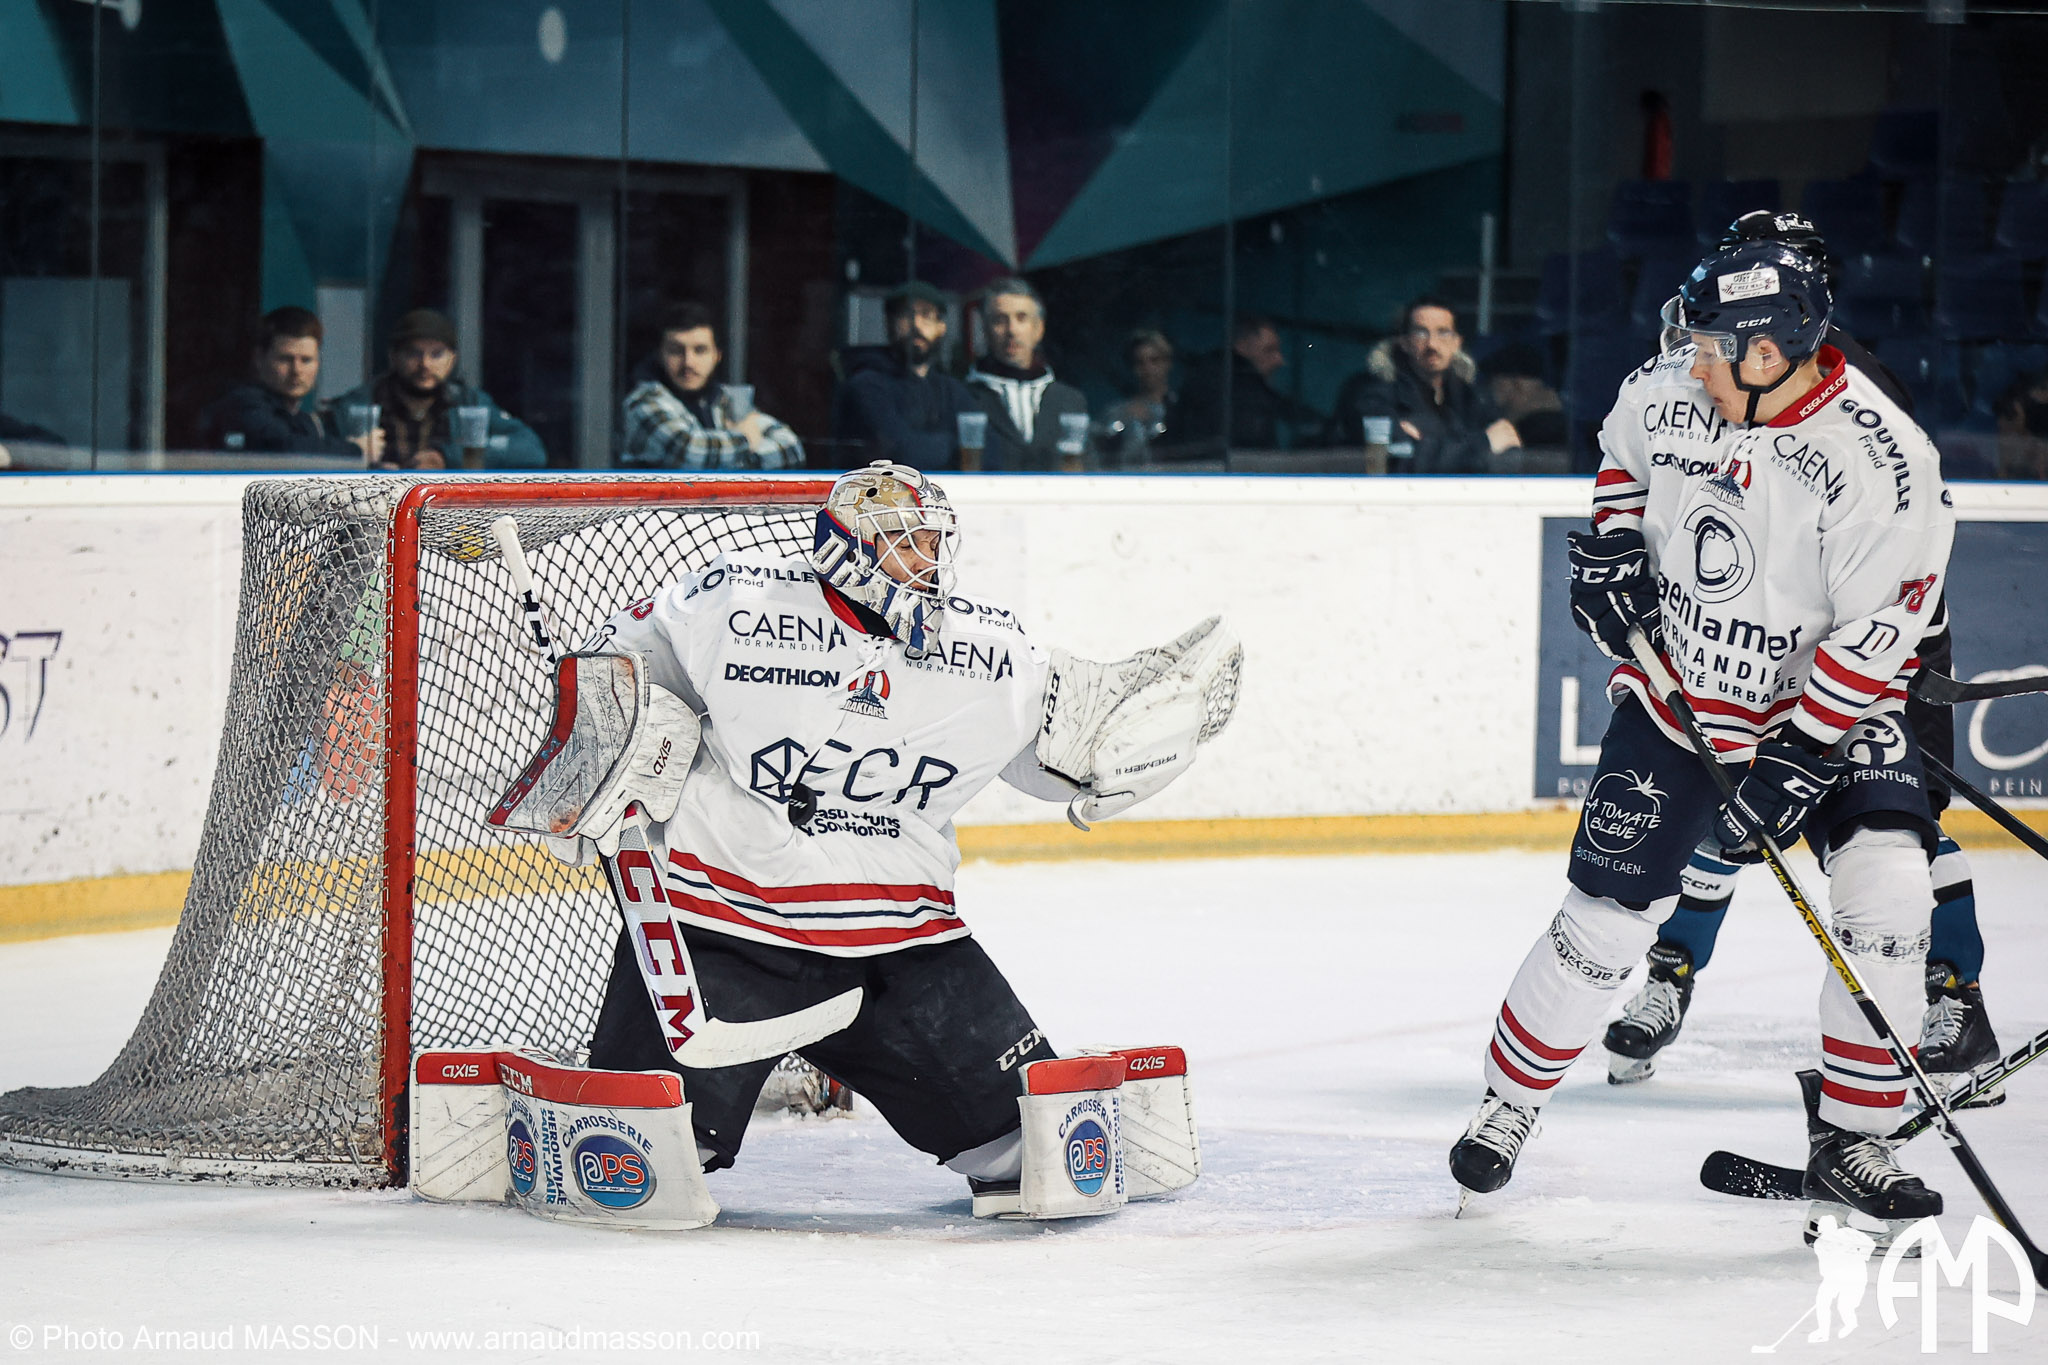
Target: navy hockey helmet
x=1743 y=293
x=1768 y=225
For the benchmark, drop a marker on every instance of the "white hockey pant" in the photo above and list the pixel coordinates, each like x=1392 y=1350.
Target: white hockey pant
x=1883 y=896
x=1565 y=985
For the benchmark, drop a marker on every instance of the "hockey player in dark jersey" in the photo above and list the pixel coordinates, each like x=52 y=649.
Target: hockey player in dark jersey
x=1956 y=1033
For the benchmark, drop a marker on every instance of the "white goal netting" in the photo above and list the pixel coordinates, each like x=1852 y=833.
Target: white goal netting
x=346 y=799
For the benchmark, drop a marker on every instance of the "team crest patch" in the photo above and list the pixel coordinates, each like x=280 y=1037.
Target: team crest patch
x=866 y=694
x=1621 y=810
x=1729 y=481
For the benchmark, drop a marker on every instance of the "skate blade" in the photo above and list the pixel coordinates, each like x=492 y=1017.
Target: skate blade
x=1629 y=1070
x=1465 y=1198
x=1882 y=1231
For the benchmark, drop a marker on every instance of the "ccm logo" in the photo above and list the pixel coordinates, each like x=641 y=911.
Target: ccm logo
x=1148 y=1064
x=518 y=1080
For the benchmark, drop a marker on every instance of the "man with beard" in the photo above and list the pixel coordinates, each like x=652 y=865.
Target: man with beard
x=676 y=418
x=894 y=403
x=420 y=391
x=1015 y=386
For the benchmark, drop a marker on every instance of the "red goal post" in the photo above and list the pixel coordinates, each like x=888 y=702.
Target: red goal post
x=348 y=905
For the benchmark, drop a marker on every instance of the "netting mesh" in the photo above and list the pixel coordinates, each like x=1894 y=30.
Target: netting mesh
x=257 y=1057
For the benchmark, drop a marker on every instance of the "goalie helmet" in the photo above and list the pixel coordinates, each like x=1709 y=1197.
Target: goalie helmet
x=886 y=538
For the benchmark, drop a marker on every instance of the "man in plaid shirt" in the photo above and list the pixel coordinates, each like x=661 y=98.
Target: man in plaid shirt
x=676 y=418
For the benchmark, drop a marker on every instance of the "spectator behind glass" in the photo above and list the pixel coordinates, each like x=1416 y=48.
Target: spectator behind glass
x=1152 y=411
x=1259 y=413
x=2023 y=430
x=676 y=418
x=419 y=391
x=1016 y=388
x=1514 y=380
x=1422 y=381
x=270 y=415
x=894 y=402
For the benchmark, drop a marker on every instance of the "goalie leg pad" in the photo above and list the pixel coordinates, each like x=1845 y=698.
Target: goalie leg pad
x=1073 y=1163
x=1160 y=1148
x=568 y=1143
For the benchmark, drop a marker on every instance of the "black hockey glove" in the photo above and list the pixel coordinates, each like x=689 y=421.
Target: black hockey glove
x=1613 y=589
x=1784 y=783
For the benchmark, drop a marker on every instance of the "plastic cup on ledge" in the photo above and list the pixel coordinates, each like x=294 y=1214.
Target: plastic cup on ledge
x=471 y=428
x=1379 y=433
x=1073 y=442
x=739 y=401
x=358 y=420
x=973 y=428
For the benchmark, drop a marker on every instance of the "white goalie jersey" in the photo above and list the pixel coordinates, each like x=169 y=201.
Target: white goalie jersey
x=1800 y=561
x=793 y=691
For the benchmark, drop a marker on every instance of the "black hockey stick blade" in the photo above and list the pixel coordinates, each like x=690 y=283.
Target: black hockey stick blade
x=1747 y=1178
x=1943 y=690
x=2000 y=816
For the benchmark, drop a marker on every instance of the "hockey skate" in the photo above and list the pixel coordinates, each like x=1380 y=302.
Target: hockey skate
x=1484 y=1159
x=1651 y=1021
x=1955 y=1034
x=1852 y=1176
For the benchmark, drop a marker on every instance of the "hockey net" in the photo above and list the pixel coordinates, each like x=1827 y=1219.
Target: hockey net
x=348 y=904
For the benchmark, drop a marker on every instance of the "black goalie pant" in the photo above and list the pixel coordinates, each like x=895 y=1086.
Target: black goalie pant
x=938 y=1046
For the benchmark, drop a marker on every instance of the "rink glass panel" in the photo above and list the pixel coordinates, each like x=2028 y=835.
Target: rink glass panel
x=274 y=1047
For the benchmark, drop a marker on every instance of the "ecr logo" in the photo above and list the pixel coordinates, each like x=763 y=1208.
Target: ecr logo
x=612 y=1171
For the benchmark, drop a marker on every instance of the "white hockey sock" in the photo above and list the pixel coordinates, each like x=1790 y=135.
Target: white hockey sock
x=1883 y=900
x=1564 y=986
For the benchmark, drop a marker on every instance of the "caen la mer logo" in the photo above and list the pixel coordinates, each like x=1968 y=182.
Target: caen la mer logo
x=1621 y=810
x=866 y=694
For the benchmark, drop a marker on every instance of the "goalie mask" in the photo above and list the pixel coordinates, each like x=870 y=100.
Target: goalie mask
x=886 y=538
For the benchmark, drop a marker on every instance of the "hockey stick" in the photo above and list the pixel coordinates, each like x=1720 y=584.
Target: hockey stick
x=1931 y=1098
x=2002 y=817
x=714 y=1042
x=1749 y=1178
x=1942 y=690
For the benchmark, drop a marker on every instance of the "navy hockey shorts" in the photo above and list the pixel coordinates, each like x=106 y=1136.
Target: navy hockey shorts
x=938 y=1046
x=1651 y=803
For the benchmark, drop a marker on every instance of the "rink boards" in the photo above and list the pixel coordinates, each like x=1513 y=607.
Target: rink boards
x=1400 y=661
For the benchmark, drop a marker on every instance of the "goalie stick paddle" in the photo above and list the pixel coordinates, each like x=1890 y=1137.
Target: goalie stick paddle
x=1748 y=1178
x=1943 y=690
x=714 y=1042
x=1936 y=1106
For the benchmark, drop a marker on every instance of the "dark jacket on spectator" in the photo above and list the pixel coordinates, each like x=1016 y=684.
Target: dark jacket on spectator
x=511 y=444
x=1257 y=413
x=251 y=419
x=1453 y=432
x=998 y=390
x=27 y=433
x=884 y=412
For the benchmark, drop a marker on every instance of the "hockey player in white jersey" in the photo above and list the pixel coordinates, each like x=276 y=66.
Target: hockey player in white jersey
x=843 y=706
x=1778 y=528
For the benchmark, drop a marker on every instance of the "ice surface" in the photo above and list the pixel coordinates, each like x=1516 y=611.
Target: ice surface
x=1334 y=1011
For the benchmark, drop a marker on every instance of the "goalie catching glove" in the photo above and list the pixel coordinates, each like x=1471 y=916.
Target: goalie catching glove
x=617 y=739
x=1121 y=732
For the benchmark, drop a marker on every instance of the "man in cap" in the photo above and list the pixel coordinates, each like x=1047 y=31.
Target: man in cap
x=420 y=391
